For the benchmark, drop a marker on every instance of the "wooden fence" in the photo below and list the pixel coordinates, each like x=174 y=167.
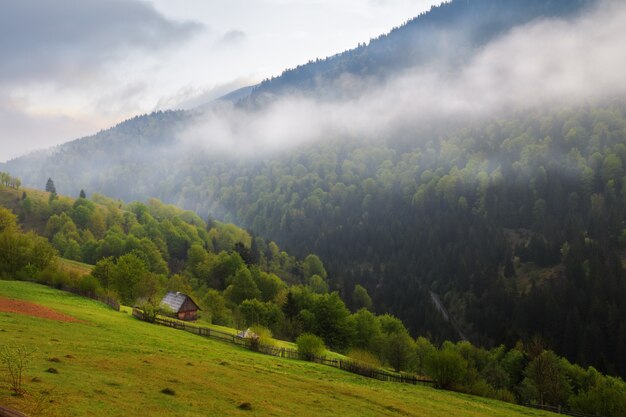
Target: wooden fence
x=346 y=365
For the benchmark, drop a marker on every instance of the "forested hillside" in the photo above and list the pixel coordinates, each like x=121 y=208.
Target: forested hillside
x=516 y=219
x=251 y=283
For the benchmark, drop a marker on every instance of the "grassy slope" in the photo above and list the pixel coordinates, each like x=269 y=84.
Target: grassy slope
x=119 y=365
x=76 y=267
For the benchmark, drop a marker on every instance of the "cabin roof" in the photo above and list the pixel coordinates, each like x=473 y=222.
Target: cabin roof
x=175 y=300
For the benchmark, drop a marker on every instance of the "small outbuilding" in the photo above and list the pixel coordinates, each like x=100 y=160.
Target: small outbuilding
x=247 y=334
x=181 y=305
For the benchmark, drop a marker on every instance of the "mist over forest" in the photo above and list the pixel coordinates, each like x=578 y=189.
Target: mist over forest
x=476 y=152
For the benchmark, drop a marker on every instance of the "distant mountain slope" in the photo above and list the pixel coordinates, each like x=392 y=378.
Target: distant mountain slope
x=447 y=35
x=125 y=150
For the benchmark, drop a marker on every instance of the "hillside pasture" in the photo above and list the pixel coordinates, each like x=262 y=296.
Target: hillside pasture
x=112 y=364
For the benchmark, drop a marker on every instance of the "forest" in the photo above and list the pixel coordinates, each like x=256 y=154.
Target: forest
x=142 y=250
x=515 y=222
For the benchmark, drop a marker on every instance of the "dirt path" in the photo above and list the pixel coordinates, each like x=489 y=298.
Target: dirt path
x=8 y=305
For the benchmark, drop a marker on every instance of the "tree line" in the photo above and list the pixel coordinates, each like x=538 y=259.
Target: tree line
x=7 y=180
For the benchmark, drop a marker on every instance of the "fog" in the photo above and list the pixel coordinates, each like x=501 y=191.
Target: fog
x=546 y=62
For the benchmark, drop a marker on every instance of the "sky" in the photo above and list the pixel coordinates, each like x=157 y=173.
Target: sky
x=70 y=68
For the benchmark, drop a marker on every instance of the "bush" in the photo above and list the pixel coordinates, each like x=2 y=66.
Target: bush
x=152 y=308
x=264 y=337
x=89 y=286
x=310 y=346
x=15 y=361
x=505 y=395
x=447 y=367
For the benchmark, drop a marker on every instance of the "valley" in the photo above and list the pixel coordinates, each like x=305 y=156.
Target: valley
x=444 y=201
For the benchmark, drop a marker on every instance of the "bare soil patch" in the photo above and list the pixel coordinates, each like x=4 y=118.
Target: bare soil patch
x=8 y=305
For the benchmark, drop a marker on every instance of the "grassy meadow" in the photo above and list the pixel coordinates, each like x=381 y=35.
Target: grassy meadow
x=111 y=364
x=75 y=267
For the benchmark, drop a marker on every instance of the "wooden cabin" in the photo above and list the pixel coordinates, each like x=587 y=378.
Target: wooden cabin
x=181 y=305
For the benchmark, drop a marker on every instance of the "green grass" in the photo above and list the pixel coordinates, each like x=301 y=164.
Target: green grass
x=114 y=365
x=76 y=267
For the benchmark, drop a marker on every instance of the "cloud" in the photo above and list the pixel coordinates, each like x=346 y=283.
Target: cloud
x=94 y=56
x=545 y=62
x=70 y=40
x=189 y=97
x=24 y=132
x=233 y=37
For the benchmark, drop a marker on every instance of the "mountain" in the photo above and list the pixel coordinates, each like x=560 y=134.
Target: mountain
x=448 y=34
x=514 y=219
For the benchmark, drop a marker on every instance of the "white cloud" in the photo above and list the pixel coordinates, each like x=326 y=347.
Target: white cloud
x=66 y=41
x=548 y=62
x=75 y=67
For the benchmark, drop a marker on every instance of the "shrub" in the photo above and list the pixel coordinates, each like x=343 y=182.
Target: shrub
x=446 y=367
x=310 y=346
x=152 y=308
x=15 y=361
x=89 y=286
x=505 y=395
x=264 y=337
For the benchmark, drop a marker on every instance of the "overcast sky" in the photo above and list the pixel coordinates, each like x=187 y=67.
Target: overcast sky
x=69 y=68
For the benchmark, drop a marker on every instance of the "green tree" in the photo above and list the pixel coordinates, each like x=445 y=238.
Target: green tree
x=546 y=375
x=242 y=287
x=312 y=265
x=607 y=397
x=318 y=285
x=367 y=331
x=398 y=350
x=213 y=302
x=269 y=284
x=447 y=367
x=8 y=221
x=423 y=351
x=332 y=321
x=50 y=186
x=127 y=276
x=310 y=346
x=253 y=312
x=360 y=298
x=103 y=271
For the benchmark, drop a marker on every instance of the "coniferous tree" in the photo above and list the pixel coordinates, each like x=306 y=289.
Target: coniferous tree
x=50 y=186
